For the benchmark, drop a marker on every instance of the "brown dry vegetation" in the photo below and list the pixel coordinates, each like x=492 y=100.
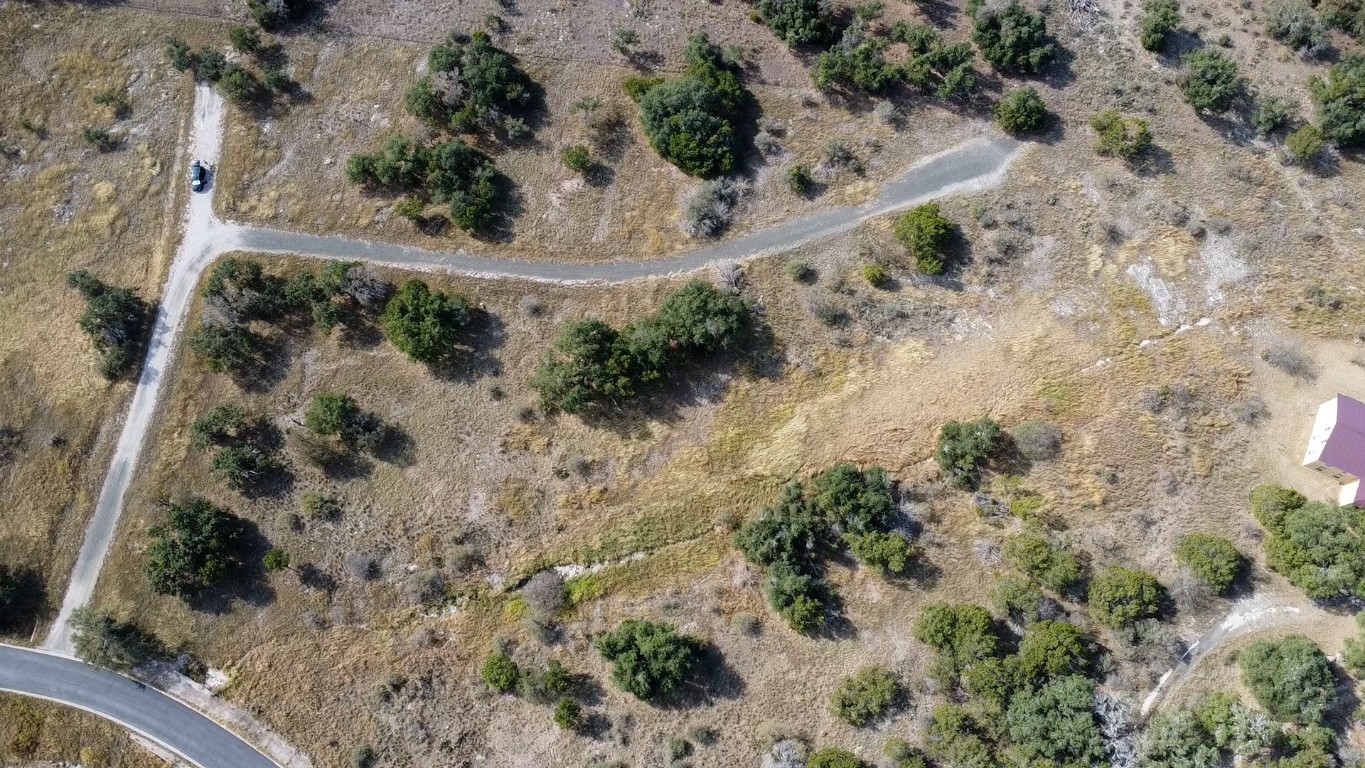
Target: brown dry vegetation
x=1083 y=278
x=66 y=206
x=36 y=734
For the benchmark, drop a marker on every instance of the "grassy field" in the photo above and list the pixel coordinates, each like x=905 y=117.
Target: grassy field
x=38 y=734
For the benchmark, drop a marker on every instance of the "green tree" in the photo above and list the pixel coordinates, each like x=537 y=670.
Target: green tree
x=1273 y=113
x=833 y=757
x=1304 y=145
x=962 y=634
x=964 y=448
x=576 y=158
x=798 y=597
x=866 y=697
x=1021 y=112
x=1121 y=596
x=331 y=413
x=100 y=640
x=1270 y=504
x=1013 y=39
x=1124 y=137
x=500 y=673
x=648 y=659
x=1159 y=19
x=400 y=164
x=1211 y=81
x=480 y=87
x=115 y=319
x=583 y=370
x=1176 y=739
x=240 y=85
x=218 y=426
x=275 y=559
x=424 y=324
x=926 y=234
x=192 y=551
x=790 y=531
x=1340 y=100
x=856 y=63
x=1055 y=568
x=1055 y=724
x=853 y=501
x=688 y=121
x=1054 y=649
x=1290 y=677
x=945 y=70
x=797 y=22
x=884 y=553
x=1212 y=558
x=1318 y=547
x=272 y=14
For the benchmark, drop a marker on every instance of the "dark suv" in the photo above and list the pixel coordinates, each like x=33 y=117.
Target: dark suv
x=199 y=176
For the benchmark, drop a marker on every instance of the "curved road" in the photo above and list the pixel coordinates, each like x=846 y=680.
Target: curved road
x=137 y=707
x=978 y=164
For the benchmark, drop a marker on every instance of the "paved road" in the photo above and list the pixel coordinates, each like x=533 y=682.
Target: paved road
x=137 y=707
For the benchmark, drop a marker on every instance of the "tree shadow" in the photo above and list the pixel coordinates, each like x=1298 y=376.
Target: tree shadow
x=246 y=580
x=599 y=175
x=1156 y=161
x=395 y=447
x=27 y=606
x=712 y=679
x=475 y=358
x=269 y=365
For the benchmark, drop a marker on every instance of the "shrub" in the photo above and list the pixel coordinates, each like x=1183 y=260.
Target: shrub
x=926 y=234
x=623 y=40
x=239 y=466
x=1211 y=80
x=1054 y=649
x=1021 y=112
x=857 y=62
x=1271 y=504
x=797 y=597
x=1304 y=145
x=875 y=274
x=568 y=714
x=962 y=634
x=1121 y=596
x=883 y=552
x=1233 y=726
x=576 y=158
x=99 y=138
x=424 y=324
x=1294 y=23
x=244 y=39
x=192 y=551
x=802 y=271
x=833 y=757
x=1053 y=567
x=225 y=349
x=1273 y=113
x=115 y=319
x=1159 y=19
x=1290 y=677
x=688 y=121
x=902 y=755
x=465 y=179
x=471 y=86
x=178 y=54
x=100 y=640
x=1176 y=739
x=1318 y=547
x=1124 y=137
x=800 y=179
x=790 y=531
x=853 y=501
x=544 y=595
x=330 y=413
x=209 y=65
x=1340 y=101
x=955 y=739
x=1213 y=559
x=964 y=447
x=648 y=659
x=1037 y=440
x=1055 y=724
x=797 y=22
x=275 y=559
x=270 y=14
x=936 y=67
x=500 y=673
x=1013 y=39
x=1015 y=599
x=239 y=85
x=711 y=209
x=866 y=697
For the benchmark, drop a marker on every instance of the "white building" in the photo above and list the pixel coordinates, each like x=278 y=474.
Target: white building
x=1337 y=446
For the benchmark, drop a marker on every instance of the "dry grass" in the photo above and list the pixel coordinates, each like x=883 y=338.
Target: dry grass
x=66 y=207
x=36 y=733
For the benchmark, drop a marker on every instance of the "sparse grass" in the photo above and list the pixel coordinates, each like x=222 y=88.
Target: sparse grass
x=36 y=732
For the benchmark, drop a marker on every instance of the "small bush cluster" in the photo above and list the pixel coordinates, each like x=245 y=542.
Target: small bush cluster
x=450 y=173
x=1296 y=24
x=1124 y=137
x=649 y=659
x=1056 y=569
x=797 y=22
x=1290 y=677
x=965 y=447
x=866 y=697
x=1013 y=39
x=709 y=212
x=1340 y=100
x=1021 y=112
x=689 y=120
x=1211 y=81
x=1120 y=597
x=841 y=505
x=594 y=366
x=242 y=459
x=936 y=66
x=192 y=551
x=926 y=235
x=1160 y=18
x=1218 y=727
x=115 y=319
x=1212 y=558
x=1319 y=548
x=857 y=63
x=471 y=85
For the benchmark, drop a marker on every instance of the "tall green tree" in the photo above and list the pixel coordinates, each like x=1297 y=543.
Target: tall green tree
x=426 y=325
x=115 y=319
x=192 y=551
x=649 y=659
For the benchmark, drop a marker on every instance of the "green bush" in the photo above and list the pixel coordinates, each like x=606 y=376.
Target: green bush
x=1273 y=113
x=856 y=63
x=798 y=597
x=471 y=86
x=500 y=673
x=875 y=274
x=885 y=553
x=209 y=65
x=192 y=551
x=426 y=325
x=797 y=22
x=103 y=642
x=833 y=757
x=330 y=413
x=1340 y=100
x=1304 y=145
x=1235 y=727
x=1290 y=677
x=592 y=365
x=218 y=426
x=1159 y=19
x=853 y=501
x=275 y=559
x=902 y=755
x=1021 y=112
x=240 y=86
x=1294 y=23
x=178 y=54
x=1213 y=559
x=451 y=173
x=576 y=158
x=942 y=69
x=568 y=715
x=1211 y=81
x=99 y=138
x=1013 y=39
x=648 y=659
x=1015 y=598
x=962 y=634
x=1120 y=596
x=866 y=697
x=272 y=14
x=1054 y=649
x=964 y=448
x=926 y=234
x=957 y=740
x=688 y=120
x=1353 y=654
x=225 y=349
x=800 y=179
x=1177 y=739
x=240 y=466
x=1056 y=569
x=245 y=39
x=1055 y=724
x=115 y=319
x=1318 y=547
x=1124 y=137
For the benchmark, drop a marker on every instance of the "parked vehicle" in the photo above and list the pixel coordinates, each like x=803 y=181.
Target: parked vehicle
x=199 y=176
